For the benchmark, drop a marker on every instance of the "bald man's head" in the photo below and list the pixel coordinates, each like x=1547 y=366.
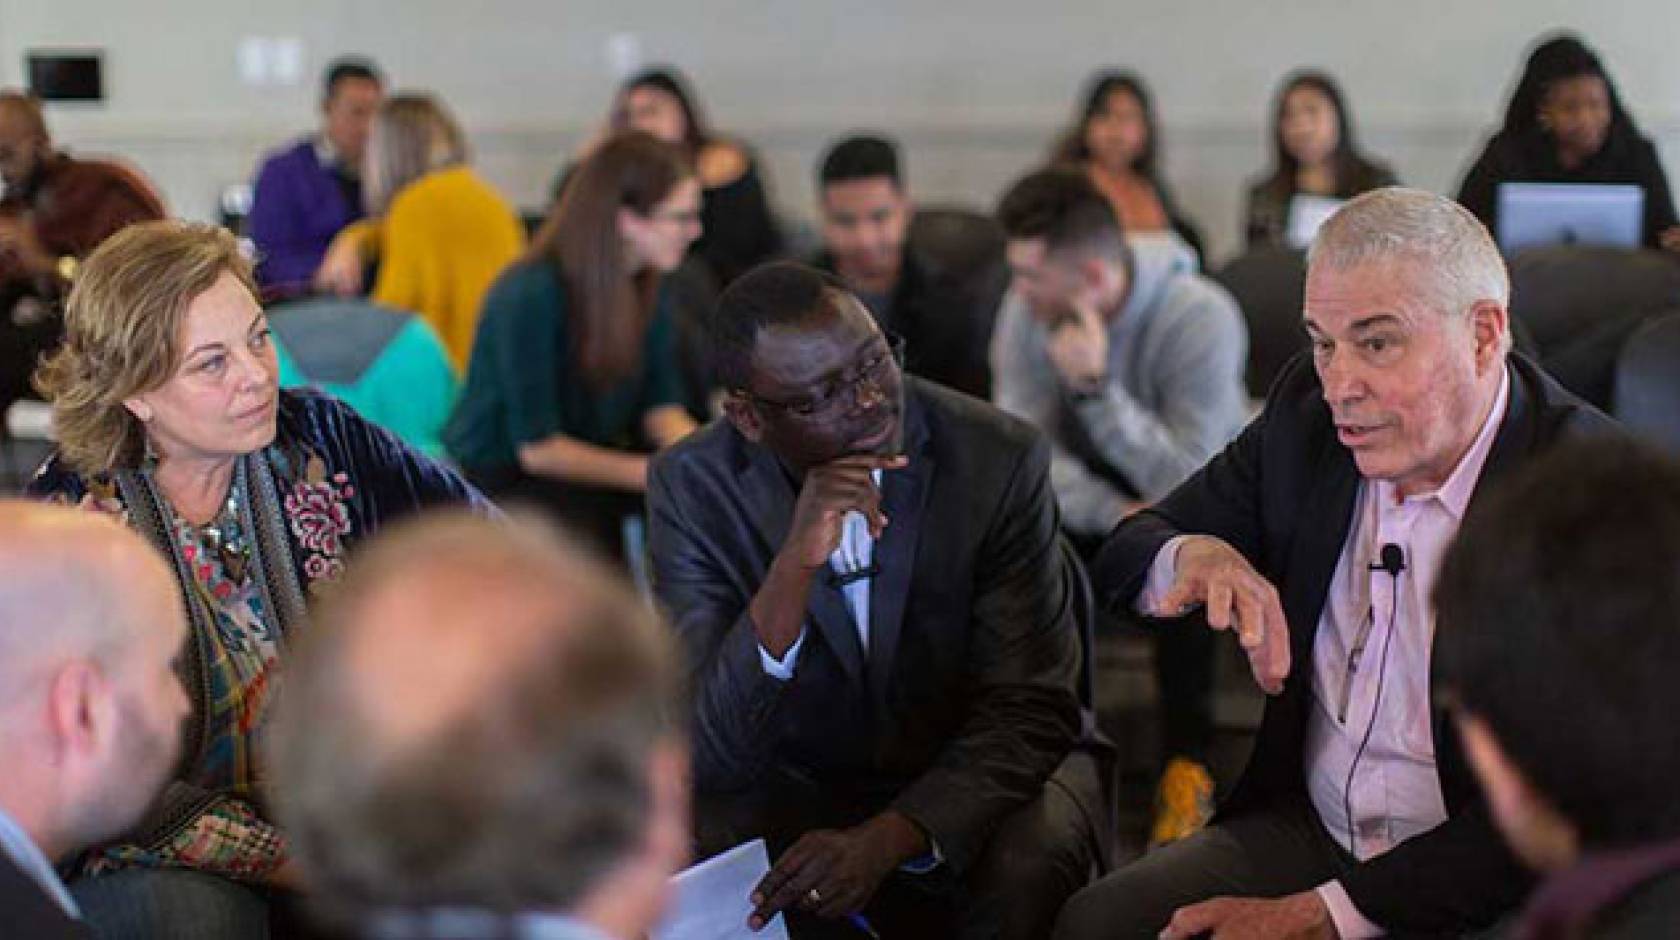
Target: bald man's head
x=24 y=141
x=472 y=722
x=90 y=706
x=77 y=584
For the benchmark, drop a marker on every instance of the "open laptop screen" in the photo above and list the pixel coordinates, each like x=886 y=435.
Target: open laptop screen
x=1533 y=215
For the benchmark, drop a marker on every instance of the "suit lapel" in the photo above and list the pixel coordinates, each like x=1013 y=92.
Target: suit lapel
x=904 y=497
x=769 y=499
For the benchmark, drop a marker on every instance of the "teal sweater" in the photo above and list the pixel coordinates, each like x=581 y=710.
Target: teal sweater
x=388 y=365
x=522 y=387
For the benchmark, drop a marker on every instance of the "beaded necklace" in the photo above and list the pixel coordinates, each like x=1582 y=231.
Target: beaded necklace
x=225 y=537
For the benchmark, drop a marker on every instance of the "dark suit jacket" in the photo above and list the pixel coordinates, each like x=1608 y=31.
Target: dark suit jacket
x=966 y=700
x=1283 y=494
x=28 y=912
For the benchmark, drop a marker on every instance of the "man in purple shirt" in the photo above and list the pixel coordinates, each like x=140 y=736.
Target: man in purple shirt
x=307 y=192
x=1316 y=537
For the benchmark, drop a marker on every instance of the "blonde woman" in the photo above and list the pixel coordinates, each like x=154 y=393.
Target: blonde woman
x=170 y=417
x=439 y=233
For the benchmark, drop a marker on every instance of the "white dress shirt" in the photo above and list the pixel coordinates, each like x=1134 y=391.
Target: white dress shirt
x=855 y=552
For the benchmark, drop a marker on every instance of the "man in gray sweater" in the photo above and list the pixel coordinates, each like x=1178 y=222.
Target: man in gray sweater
x=1132 y=364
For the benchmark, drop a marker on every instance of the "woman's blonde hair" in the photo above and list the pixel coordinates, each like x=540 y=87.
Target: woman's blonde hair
x=121 y=325
x=413 y=134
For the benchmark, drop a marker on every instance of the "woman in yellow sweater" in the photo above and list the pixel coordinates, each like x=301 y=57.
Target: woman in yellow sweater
x=440 y=233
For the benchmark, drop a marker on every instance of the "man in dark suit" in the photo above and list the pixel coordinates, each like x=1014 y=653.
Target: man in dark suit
x=1560 y=641
x=1317 y=536
x=880 y=632
x=915 y=285
x=90 y=706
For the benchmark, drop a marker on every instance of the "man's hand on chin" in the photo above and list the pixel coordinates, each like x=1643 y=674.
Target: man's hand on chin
x=1296 y=917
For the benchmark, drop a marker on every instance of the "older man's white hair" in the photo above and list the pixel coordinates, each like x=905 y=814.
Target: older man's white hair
x=1450 y=249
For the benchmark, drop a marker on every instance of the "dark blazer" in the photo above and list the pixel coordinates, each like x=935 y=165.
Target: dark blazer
x=1283 y=494
x=965 y=702
x=26 y=911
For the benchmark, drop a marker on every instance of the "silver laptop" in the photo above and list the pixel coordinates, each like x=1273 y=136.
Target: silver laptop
x=1533 y=215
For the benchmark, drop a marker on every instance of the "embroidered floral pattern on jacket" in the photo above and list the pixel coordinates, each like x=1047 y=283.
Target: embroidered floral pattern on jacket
x=320 y=519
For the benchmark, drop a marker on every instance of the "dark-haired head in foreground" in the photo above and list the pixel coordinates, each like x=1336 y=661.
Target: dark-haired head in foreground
x=1559 y=613
x=1559 y=618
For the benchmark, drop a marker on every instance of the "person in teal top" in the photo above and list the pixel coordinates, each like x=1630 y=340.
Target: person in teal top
x=387 y=364
x=574 y=377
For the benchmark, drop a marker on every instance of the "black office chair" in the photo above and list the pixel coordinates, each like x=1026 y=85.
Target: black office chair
x=1268 y=284
x=1085 y=614
x=960 y=253
x=958 y=243
x=1647 y=397
x=1580 y=305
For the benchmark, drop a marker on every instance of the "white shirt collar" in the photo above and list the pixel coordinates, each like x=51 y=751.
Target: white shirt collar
x=325 y=152
x=16 y=844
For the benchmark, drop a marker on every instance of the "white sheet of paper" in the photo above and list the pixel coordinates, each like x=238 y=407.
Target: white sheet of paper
x=710 y=900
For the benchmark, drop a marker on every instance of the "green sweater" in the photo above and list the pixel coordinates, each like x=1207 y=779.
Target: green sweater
x=522 y=385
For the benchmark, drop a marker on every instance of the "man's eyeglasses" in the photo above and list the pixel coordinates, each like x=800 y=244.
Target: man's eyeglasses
x=843 y=391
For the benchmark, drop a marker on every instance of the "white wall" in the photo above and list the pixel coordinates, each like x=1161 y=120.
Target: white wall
x=973 y=89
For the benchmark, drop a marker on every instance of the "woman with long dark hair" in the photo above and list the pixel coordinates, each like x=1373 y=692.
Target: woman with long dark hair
x=1315 y=153
x=1117 y=142
x=1566 y=124
x=574 y=376
x=739 y=229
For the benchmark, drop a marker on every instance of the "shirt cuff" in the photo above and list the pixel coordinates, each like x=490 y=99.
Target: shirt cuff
x=781 y=669
x=922 y=864
x=1162 y=571
x=1350 y=924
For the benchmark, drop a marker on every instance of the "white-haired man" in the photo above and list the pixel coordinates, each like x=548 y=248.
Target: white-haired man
x=90 y=706
x=1317 y=537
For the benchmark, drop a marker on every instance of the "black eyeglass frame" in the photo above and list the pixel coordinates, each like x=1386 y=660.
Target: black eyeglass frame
x=845 y=387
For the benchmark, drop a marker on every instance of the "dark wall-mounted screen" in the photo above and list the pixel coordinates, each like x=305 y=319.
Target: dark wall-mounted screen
x=66 y=76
